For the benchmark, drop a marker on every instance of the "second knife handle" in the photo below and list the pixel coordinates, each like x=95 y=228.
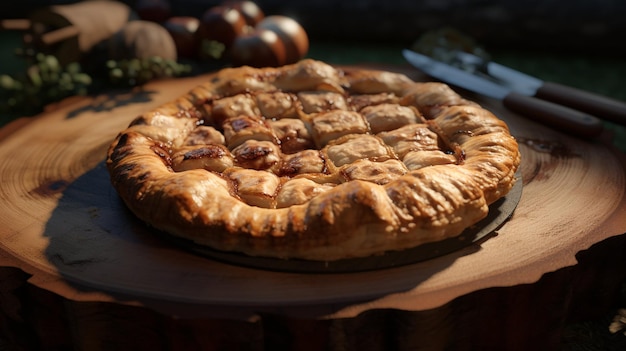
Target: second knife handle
x=597 y=105
x=559 y=117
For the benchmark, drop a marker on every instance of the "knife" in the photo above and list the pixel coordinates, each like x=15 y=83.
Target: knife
x=598 y=105
x=528 y=96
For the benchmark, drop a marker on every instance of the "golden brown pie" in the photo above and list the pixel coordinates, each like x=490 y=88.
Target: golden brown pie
x=313 y=162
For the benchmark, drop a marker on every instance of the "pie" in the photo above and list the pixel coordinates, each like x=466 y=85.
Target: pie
x=314 y=162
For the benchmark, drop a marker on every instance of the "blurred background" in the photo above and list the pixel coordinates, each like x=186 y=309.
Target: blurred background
x=572 y=25
x=576 y=42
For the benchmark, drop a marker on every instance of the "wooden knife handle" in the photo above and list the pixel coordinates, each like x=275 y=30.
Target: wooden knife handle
x=559 y=117
x=597 y=105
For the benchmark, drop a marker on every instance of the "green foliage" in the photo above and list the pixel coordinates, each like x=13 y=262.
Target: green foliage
x=138 y=71
x=44 y=81
x=212 y=50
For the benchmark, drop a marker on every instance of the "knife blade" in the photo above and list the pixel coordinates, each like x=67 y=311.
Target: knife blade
x=552 y=114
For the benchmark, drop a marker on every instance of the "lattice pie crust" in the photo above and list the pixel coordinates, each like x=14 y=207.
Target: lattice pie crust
x=313 y=162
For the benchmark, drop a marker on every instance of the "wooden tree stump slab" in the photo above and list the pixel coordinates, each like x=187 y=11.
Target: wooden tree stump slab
x=68 y=243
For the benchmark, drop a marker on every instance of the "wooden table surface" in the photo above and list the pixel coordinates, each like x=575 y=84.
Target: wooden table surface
x=65 y=235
